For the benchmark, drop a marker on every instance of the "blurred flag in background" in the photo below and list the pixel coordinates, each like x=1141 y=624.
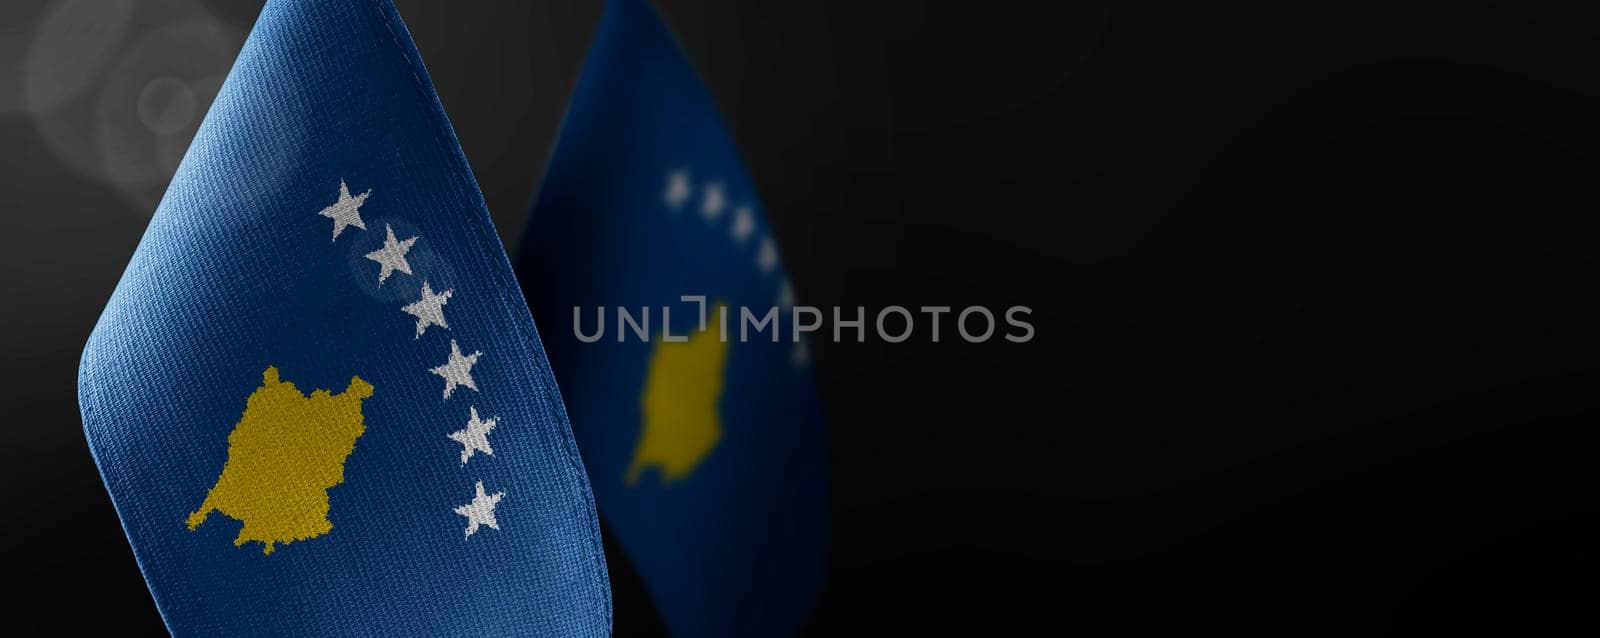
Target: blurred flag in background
x=316 y=397
x=706 y=455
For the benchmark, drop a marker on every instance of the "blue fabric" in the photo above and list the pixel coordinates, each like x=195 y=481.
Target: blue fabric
x=238 y=271
x=736 y=547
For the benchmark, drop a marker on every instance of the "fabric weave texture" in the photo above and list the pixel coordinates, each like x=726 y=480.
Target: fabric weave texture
x=254 y=273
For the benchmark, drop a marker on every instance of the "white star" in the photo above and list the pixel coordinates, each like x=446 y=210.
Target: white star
x=767 y=255
x=429 y=310
x=677 y=189
x=392 y=256
x=475 y=437
x=457 y=370
x=744 y=224
x=481 y=510
x=712 y=203
x=785 y=294
x=346 y=211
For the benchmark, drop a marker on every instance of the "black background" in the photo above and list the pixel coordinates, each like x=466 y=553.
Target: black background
x=1313 y=286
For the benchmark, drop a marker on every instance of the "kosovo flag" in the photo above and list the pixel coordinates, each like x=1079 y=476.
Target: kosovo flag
x=317 y=397
x=705 y=449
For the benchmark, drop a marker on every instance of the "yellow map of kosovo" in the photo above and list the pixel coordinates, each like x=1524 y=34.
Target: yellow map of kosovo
x=286 y=452
x=682 y=387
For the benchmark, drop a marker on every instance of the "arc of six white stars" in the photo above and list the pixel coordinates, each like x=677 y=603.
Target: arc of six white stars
x=429 y=311
x=712 y=204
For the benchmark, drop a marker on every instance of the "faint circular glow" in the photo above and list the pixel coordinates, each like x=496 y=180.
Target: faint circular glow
x=133 y=132
x=116 y=88
x=399 y=288
x=71 y=47
x=167 y=105
x=149 y=107
x=17 y=18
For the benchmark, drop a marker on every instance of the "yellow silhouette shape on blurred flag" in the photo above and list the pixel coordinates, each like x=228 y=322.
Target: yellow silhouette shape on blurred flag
x=682 y=387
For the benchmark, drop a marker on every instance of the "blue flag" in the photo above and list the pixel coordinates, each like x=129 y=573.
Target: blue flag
x=702 y=434
x=317 y=398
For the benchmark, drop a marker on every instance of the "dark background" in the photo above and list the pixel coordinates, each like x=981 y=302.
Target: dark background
x=1313 y=286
